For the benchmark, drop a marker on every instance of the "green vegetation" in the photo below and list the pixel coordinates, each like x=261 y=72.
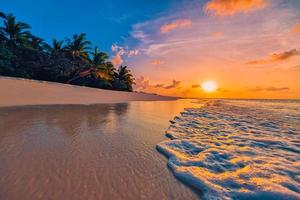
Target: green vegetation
x=72 y=61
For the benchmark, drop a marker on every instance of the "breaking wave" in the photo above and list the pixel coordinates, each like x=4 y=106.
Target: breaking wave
x=237 y=149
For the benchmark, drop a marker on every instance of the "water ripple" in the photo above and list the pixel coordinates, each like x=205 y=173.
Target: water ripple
x=237 y=149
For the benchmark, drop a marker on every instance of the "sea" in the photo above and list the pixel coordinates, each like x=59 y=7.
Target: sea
x=237 y=149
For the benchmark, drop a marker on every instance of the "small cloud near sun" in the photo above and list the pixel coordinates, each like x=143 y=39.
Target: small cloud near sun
x=195 y=86
x=231 y=7
x=177 y=24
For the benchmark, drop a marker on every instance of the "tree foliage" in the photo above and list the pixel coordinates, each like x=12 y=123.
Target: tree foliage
x=25 y=55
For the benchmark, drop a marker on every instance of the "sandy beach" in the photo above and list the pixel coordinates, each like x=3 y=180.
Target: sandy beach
x=104 y=151
x=18 y=92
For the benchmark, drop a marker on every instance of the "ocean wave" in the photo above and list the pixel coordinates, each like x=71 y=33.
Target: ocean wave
x=234 y=150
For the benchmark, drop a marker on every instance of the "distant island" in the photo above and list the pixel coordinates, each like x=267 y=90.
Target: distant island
x=71 y=61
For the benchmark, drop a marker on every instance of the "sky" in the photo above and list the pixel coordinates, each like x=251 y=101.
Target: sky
x=250 y=48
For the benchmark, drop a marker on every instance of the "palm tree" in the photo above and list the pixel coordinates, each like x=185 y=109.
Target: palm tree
x=98 y=68
x=98 y=57
x=101 y=68
x=124 y=79
x=37 y=44
x=2 y=15
x=24 y=55
x=13 y=31
x=77 y=51
x=124 y=74
x=57 y=46
x=110 y=70
x=78 y=47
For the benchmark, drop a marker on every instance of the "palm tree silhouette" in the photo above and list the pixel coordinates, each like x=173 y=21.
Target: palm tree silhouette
x=14 y=32
x=124 y=79
x=78 y=47
x=57 y=46
x=23 y=54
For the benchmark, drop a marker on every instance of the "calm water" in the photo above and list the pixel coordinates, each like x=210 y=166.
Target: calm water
x=88 y=152
x=237 y=149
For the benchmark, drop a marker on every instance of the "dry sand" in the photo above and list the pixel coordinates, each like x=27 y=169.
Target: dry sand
x=17 y=92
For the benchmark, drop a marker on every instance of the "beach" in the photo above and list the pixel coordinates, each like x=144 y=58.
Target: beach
x=19 y=92
x=104 y=151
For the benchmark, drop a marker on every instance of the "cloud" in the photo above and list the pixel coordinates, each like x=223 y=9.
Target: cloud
x=174 y=84
x=144 y=84
x=159 y=85
x=217 y=35
x=156 y=62
x=276 y=57
x=231 y=7
x=194 y=53
x=122 y=51
x=140 y=35
x=177 y=24
x=268 y=89
x=133 y=52
x=117 y=60
x=195 y=86
x=296 y=28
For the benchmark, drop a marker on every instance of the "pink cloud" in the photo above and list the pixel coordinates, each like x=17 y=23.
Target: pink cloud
x=133 y=52
x=143 y=84
x=178 y=24
x=121 y=52
x=231 y=7
x=217 y=35
x=117 y=60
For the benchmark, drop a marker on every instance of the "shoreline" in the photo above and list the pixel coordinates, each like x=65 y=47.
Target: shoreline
x=27 y=92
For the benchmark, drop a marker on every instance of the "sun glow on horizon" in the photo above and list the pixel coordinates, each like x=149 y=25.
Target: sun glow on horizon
x=209 y=86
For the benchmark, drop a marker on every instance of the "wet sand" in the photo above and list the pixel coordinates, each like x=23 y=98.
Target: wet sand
x=88 y=152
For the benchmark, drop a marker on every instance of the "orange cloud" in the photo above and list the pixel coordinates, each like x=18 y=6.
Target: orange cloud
x=143 y=84
x=296 y=28
x=195 y=86
x=117 y=60
x=157 y=62
x=178 y=24
x=174 y=84
x=231 y=7
x=269 y=89
x=217 y=34
x=277 y=57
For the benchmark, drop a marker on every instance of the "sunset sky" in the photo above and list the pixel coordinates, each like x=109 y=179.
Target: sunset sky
x=250 y=48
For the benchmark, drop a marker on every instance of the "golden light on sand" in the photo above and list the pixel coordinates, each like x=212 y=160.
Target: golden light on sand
x=209 y=86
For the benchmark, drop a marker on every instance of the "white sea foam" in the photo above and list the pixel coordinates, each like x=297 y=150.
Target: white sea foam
x=237 y=149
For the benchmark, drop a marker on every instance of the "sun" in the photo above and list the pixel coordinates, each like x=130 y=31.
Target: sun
x=209 y=86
